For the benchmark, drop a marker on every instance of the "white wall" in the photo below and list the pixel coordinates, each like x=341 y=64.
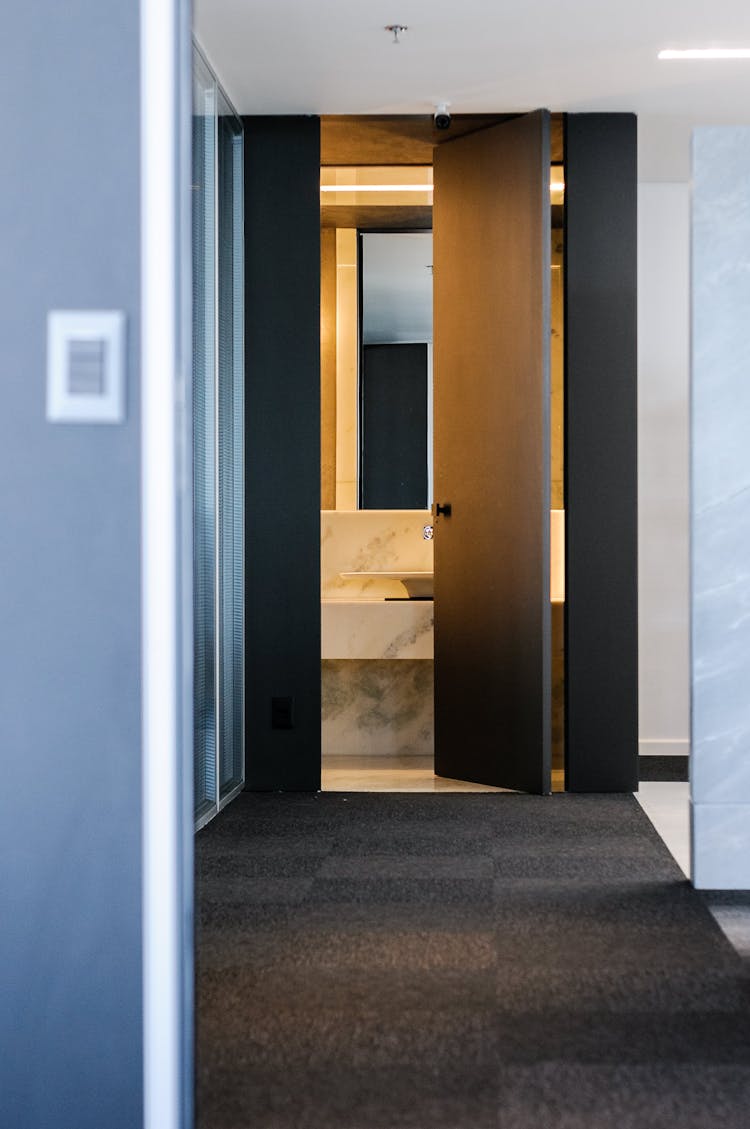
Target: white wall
x=664 y=171
x=663 y=430
x=663 y=376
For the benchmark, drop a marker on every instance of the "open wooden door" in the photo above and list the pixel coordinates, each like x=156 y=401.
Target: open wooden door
x=491 y=224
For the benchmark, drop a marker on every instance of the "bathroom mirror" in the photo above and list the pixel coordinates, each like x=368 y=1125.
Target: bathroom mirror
x=395 y=370
x=376 y=337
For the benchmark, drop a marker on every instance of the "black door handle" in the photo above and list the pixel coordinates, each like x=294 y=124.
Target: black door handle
x=445 y=510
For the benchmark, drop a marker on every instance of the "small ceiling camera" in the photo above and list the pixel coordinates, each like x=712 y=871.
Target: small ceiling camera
x=442 y=117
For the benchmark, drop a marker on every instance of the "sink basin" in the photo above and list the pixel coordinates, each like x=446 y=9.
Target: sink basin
x=417 y=584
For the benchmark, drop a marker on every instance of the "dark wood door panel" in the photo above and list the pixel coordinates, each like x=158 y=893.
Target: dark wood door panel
x=491 y=226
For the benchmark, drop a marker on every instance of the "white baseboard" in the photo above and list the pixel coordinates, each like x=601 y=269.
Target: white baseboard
x=664 y=747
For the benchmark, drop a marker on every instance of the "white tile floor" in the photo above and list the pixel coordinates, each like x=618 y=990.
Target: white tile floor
x=390 y=774
x=667 y=805
x=397 y=774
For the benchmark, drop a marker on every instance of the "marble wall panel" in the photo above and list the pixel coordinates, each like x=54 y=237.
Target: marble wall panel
x=363 y=540
x=373 y=707
x=721 y=846
x=720 y=506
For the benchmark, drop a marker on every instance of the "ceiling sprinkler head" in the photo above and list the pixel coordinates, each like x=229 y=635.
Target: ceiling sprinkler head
x=397 y=30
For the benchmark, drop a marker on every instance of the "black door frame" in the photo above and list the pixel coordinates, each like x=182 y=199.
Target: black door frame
x=601 y=442
x=282 y=461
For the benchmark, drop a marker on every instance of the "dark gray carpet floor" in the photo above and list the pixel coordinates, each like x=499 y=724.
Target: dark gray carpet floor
x=460 y=962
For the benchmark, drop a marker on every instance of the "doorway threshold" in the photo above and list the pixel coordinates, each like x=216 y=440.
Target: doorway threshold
x=397 y=773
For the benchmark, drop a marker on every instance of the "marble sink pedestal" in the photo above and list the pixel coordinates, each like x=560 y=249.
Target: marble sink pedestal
x=377 y=677
x=377 y=671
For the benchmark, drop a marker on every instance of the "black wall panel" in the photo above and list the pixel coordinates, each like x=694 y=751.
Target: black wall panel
x=601 y=449
x=393 y=426
x=282 y=452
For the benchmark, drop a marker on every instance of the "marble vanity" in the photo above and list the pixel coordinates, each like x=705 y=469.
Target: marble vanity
x=377 y=644
x=374 y=628
x=367 y=557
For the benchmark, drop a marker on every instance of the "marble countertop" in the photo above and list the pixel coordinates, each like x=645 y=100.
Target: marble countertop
x=357 y=601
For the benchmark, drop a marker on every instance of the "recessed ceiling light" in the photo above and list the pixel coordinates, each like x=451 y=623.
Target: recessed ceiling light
x=707 y=53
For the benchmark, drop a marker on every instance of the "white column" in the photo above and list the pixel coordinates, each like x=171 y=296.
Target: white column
x=663 y=442
x=720 y=508
x=166 y=565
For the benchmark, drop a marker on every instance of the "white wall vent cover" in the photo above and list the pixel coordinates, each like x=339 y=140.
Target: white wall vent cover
x=86 y=366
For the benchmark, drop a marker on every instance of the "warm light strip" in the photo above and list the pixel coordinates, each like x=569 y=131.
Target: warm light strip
x=555 y=186
x=707 y=53
x=376 y=187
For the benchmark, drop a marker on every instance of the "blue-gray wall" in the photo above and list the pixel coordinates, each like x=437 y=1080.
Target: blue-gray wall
x=70 y=871
x=720 y=508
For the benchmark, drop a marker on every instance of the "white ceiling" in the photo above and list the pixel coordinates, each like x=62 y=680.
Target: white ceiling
x=333 y=56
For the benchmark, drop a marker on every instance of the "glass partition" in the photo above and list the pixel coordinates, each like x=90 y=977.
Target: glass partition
x=218 y=435
x=230 y=434
x=204 y=430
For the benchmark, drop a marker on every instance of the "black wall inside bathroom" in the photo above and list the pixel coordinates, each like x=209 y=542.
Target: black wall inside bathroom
x=282 y=449
x=393 y=426
x=601 y=487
